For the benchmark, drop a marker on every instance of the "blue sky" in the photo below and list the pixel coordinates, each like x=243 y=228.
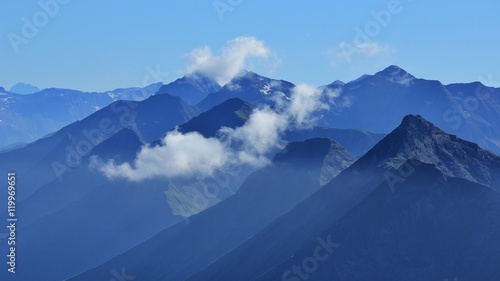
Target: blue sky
x=102 y=45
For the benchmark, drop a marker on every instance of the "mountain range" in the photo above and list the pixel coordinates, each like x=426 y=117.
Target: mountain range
x=26 y=118
x=359 y=209
x=395 y=178
x=470 y=110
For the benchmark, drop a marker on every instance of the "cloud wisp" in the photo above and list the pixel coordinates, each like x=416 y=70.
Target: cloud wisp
x=230 y=61
x=346 y=52
x=193 y=155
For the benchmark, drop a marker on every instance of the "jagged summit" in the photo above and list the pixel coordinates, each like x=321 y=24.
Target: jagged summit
x=417 y=138
x=417 y=124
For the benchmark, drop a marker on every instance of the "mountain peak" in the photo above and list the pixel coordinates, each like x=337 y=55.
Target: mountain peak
x=231 y=113
x=248 y=75
x=252 y=88
x=419 y=139
x=193 y=87
x=198 y=77
x=418 y=123
x=393 y=70
x=24 y=89
x=336 y=83
x=397 y=75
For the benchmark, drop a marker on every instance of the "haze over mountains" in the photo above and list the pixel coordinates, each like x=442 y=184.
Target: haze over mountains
x=393 y=177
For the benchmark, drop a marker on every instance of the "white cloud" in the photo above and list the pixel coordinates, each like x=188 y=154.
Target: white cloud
x=179 y=155
x=305 y=100
x=331 y=94
x=346 y=52
x=192 y=155
x=257 y=136
x=345 y=101
x=230 y=62
x=373 y=49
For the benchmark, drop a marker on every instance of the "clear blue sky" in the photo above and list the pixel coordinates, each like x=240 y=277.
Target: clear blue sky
x=102 y=45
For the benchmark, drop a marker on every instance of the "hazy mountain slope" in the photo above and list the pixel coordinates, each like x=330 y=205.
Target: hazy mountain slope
x=52 y=157
x=107 y=221
x=56 y=195
x=296 y=172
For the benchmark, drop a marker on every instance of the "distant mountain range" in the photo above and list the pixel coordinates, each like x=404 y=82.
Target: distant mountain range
x=397 y=179
x=24 y=89
x=26 y=118
x=471 y=110
x=378 y=102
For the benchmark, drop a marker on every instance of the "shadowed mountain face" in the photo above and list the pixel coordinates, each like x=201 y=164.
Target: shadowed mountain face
x=296 y=172
x=432 y=227
x=232 y=113
x=419 y=139
x=192 y=88
x=266 y=254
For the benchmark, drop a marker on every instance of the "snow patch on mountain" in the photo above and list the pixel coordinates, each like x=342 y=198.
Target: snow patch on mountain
x=266 y=89
x=112 y=95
